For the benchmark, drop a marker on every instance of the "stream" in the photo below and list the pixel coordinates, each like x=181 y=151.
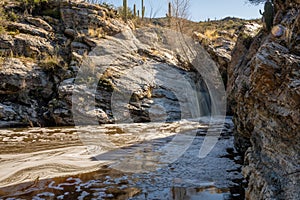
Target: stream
x=119 y=161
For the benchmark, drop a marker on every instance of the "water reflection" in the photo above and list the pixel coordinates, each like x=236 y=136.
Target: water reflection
x=52 y=163
x=102 y=184
x=209 y=193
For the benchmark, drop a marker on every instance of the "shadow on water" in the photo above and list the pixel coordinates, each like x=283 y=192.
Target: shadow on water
x=109 y=183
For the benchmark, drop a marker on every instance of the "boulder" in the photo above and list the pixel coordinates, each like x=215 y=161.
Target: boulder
x=7 y=113
x=70 y=32
x=38 y=22
x=79 y=48
x=89 y=41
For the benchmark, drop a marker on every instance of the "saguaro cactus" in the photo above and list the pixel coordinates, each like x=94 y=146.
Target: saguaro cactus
x=134 y=11
x=143 y=9
x=170 y=10
x=125 y=10
x=169 y=14
x=268 y=15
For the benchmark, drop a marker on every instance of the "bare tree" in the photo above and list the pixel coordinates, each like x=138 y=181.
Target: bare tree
x=180 y=14
x=181 y=8
x=153 y=12
x=256 y=2
x=95 y=1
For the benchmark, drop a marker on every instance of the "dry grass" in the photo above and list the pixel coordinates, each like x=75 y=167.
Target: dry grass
x=2 y=29
x=2 y=59
x=52 y=62
x=230 y=25
x=98 y=32
x=2 y=19
x=26 y=59
x=211 y=34
x=13 y=33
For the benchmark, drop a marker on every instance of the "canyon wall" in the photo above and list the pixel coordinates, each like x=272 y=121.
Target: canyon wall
x=46 y=50
x=264 y=93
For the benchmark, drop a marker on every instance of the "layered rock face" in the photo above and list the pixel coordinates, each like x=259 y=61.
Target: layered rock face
x=41 y=50
x=49 y=58
x=264 y=92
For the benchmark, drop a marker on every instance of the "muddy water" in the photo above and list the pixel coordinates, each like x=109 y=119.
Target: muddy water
x=117 y=162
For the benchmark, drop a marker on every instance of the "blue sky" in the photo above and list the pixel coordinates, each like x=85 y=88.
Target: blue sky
x=200 y=9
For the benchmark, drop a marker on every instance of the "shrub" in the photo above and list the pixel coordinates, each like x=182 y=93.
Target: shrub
x=211 y=34
x=247 y=40
x=30 y=5
x=13 y=32
x=98 y=32
x=51 y=63
x=2 y=28
x=2 y=58
x=13 y=16
x=108 y=6
x=95 y=1
x=2 y=19
x=129 y=13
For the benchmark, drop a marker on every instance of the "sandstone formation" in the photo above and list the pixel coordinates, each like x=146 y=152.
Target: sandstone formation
x=264 y=92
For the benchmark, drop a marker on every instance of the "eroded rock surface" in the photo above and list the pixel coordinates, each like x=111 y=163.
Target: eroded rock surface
x=222 y=46
x=264 y=92
x=45 y=55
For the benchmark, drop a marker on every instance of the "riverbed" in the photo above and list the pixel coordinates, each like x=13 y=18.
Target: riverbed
x=119 y=161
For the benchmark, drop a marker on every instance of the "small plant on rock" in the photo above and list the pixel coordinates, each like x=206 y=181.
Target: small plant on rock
x=13 y=16
x=2 y=19
x=30 y=5
x=51 y=63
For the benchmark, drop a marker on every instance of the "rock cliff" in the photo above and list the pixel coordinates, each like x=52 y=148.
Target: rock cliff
x=41 y=48
x=46 y=50
x=264 y=92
